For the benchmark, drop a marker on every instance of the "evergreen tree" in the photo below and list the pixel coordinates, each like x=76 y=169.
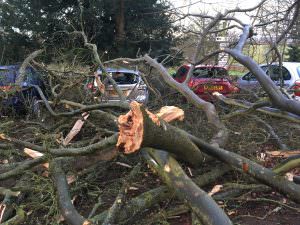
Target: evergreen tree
x=294 y=53
x=118 y=27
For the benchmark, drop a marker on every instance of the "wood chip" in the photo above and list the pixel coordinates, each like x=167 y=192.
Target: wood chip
x=283 y=154
x=75 y=129
x=215 y=189
x=35 y=154
x=124 y=164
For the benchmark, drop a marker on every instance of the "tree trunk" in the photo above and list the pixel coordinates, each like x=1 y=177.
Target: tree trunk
x=120 y=22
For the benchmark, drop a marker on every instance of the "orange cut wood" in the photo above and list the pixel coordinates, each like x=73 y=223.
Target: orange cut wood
x=35 y=154
x=131 y=125
x=131 y=129
x=283 y=154
x=99 y=83
x=170 y=113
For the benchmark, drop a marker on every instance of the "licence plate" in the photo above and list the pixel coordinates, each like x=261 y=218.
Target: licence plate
x=213 y=87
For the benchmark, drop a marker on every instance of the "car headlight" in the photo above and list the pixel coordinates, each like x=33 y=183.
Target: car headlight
x=140 y=98
x=141 y=95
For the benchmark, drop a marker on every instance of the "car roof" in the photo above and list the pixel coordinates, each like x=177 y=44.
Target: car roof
x=292 y=64
x=9 y=67
x=206 y=66
x=121 y=70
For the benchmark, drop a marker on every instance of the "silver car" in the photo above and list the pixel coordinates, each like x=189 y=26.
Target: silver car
x=290 y=73
x=129 y=81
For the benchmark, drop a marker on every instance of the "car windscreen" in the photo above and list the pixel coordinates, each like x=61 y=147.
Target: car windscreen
x=122 y=78
x=210 y=72
x=298 y=70
x=7 y=77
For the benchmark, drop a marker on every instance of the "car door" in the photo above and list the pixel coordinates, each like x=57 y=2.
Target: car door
x=274 y=71
x=249 y=81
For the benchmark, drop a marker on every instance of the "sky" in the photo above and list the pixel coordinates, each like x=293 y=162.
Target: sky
x=213 y=6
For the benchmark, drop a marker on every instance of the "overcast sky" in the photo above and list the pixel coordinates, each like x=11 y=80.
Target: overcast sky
x=212 y=6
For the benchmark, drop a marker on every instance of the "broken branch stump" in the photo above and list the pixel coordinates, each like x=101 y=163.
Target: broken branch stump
x=140 y=128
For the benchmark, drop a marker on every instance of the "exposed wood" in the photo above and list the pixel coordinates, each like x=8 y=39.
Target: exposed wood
x=75 y=129
x=139 y=128
x=283 y=154
x=35 y=154
x=170 y=113
x=100 y=85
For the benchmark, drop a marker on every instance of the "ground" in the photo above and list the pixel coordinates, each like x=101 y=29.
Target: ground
x=103 y=181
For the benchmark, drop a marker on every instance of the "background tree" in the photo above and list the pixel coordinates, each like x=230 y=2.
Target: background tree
x=118 y=27
x=293 y=53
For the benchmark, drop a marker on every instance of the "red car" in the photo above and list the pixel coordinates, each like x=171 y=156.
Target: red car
x=207 y=79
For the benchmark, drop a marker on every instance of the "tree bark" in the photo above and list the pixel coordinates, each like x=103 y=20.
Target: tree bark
x=201 y=203
x=120 y=22
x=66 y=207
x=255 y=170
x=139 y=128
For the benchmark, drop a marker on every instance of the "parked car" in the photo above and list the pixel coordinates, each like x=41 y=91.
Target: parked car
x=129 y=81
x=290 y=74
x=24 y=97
x=207 y=79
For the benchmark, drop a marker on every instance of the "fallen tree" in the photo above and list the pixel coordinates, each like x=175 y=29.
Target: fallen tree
x=73 y=143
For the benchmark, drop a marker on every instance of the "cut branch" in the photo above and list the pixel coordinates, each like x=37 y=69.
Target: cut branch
x=67 y=208
x=139 y=128
x=22 y=70
x=200 y=202
x=255 y=170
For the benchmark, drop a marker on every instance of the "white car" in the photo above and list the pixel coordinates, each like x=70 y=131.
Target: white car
x=290 y=73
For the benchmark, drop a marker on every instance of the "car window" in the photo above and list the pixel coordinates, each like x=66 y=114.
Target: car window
x=250 y=76
x=181 y=72
x=209 y=72
x=274 y=73
x=124 y=78
x=298 y=70
x=7 y=77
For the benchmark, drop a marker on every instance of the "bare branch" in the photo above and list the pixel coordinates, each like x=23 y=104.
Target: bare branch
x=22 y=70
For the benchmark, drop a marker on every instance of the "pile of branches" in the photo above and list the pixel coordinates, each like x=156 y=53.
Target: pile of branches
x=78 y=137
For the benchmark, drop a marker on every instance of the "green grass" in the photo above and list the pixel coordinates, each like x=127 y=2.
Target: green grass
x=235 y=73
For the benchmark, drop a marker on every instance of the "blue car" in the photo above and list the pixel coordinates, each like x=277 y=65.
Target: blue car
x=26 y=96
